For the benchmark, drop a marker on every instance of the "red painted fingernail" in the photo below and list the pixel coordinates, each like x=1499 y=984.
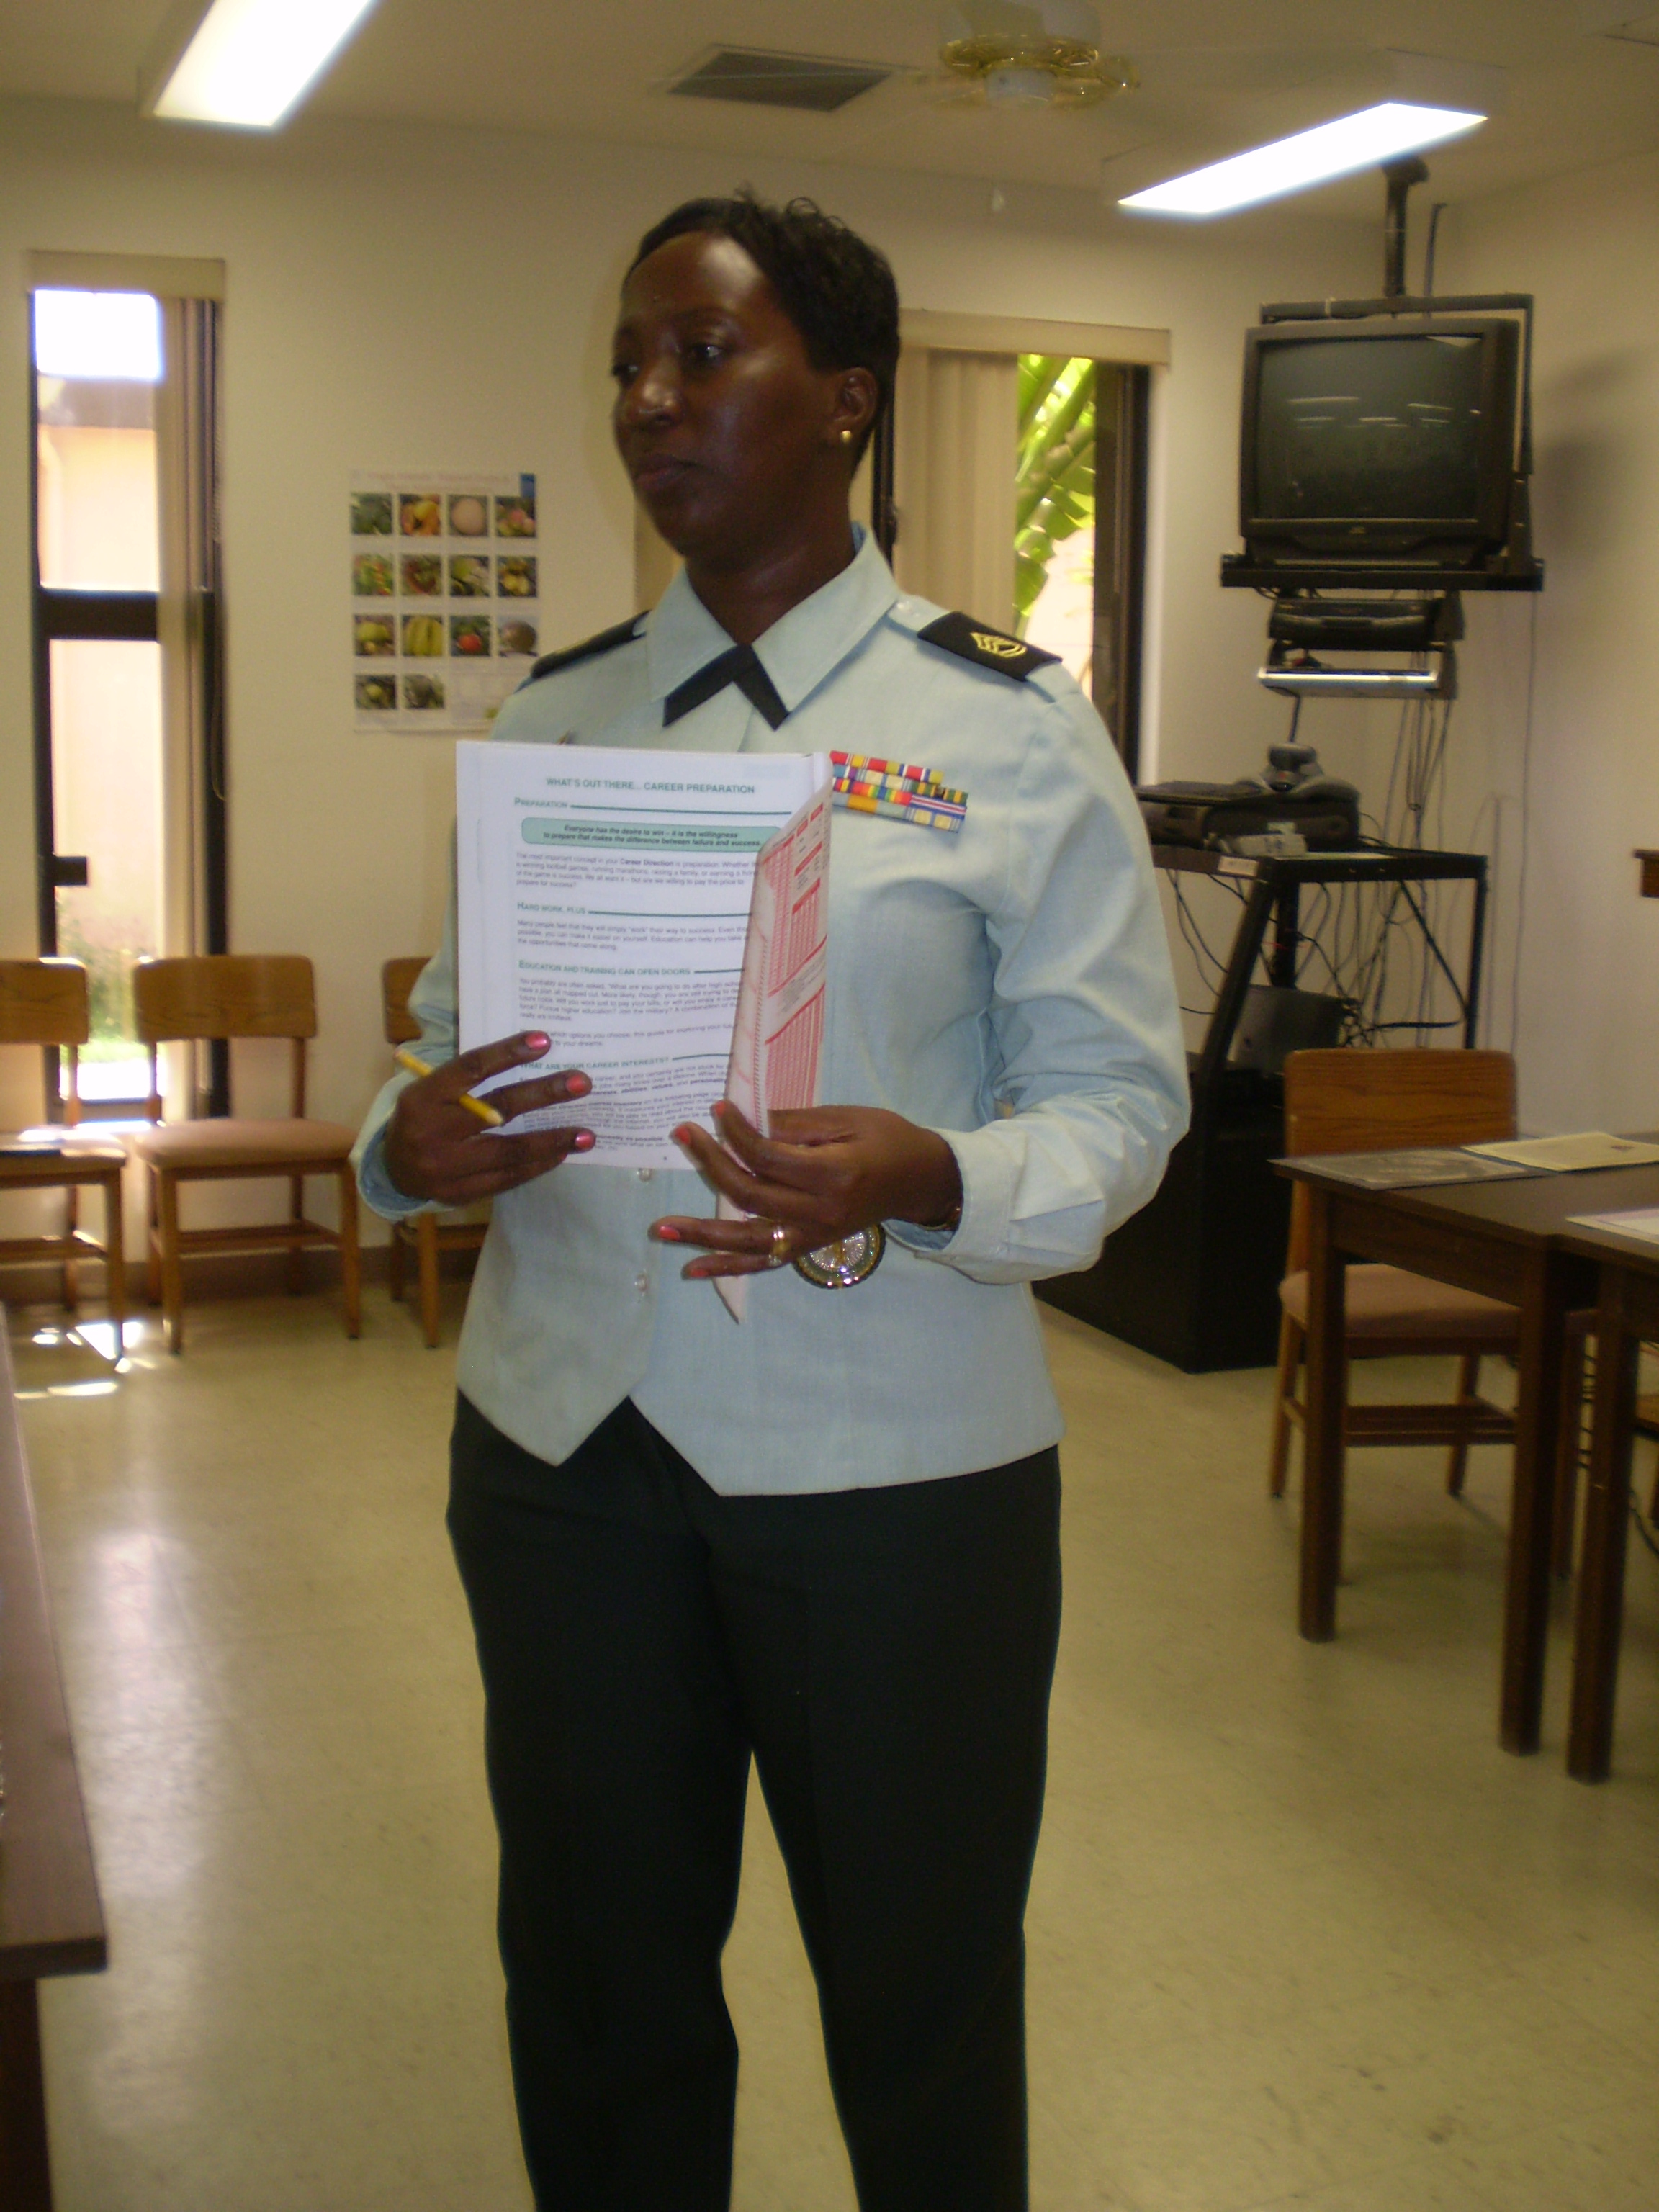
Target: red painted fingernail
x=682 y=1135
x=665 y=1235
x=578 y=1087
x=585 y=1141
x=536 y=1041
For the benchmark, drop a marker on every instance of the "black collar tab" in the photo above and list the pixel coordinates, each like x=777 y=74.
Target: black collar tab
x=987 y=647
x=606 y=641
x=741 y=666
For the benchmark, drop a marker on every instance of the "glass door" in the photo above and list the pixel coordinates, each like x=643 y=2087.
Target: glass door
x=97 y=366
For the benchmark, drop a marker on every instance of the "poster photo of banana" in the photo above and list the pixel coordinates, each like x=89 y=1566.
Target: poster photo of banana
x=445 y=611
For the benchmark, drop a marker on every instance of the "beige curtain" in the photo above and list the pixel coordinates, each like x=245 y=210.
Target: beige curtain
x=956 y=420
x=185 y=505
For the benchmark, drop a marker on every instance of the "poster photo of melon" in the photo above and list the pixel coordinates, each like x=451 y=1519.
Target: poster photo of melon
x=462 y=539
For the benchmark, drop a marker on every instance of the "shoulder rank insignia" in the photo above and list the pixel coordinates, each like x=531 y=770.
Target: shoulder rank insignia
x=607 y=642
x=985 y=647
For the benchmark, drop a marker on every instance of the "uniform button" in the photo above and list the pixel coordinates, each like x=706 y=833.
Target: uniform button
x=645 y=1173
x=641 y=1283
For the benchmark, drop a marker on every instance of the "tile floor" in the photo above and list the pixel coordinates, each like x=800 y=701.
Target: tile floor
x=1301 y=1935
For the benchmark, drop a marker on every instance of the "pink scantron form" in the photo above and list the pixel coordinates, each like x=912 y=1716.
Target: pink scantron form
x=791 y=1057
x=778 y=868
x=804 y=933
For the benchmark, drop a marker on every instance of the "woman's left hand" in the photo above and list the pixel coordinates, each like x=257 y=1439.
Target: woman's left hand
x=823 y=1173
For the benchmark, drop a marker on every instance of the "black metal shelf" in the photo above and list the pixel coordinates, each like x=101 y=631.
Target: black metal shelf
x=1240 y=573
x=1193 y=1277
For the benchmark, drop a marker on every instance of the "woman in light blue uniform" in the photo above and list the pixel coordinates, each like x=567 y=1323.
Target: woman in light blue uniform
x=827 y=1540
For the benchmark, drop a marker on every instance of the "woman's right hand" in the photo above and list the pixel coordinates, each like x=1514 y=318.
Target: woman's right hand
x=436 y=1148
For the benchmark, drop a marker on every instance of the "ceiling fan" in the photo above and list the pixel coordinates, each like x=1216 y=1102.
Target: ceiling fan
x=1027 y=53
x=1032 y=59
x=1049 y=54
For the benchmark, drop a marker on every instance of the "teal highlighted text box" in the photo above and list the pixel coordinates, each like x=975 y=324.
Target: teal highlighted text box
x=644 y=836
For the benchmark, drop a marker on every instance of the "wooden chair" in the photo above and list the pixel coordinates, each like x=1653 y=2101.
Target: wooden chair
x=44 y=1003
x=1375 y=1101
x=425 y=1235
x=239 y=995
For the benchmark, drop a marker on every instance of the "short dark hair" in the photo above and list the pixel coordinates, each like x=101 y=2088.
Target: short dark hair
x=835 y=287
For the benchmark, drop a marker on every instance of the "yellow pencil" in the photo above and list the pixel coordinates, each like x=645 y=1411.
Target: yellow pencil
x=485 y=1112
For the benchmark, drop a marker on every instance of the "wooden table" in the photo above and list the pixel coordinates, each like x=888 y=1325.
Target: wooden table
x=51 y=1922
x=1507 y=1240
x=1627 y=1314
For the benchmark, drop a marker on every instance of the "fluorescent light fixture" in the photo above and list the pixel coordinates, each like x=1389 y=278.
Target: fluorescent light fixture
x=1311 y=157
x=115 y=337
x=245 y=61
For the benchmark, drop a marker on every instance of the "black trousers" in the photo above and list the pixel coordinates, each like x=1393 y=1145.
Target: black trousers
x=885 y=1655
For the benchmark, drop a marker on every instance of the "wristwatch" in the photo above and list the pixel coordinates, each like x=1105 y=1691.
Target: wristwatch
x=847 y=1260
x=855 y=1259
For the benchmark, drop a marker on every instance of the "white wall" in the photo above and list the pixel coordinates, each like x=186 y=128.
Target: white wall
x=408 y=296
x=1588 y=998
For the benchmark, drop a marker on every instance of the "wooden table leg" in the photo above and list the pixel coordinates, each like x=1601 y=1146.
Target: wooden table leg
x=25 y=2172
x=173 y=1272
x=351 y=1265
x=1324 y=1442
x=426 y=1245
x=1541 y=1353
x=115 y=1260
x=1606 y=1521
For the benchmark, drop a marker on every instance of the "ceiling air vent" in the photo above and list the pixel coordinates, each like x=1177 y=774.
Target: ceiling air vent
x=763 y=80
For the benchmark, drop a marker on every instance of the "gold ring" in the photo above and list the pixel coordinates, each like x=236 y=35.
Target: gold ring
x=778 y=1255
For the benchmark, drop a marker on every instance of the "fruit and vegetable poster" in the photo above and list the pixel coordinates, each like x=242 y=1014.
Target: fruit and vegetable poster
x=445 y=599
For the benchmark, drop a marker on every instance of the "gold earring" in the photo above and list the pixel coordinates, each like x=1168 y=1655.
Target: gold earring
x=847 y=437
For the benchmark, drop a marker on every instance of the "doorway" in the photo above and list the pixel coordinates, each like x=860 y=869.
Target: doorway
x=128 y=708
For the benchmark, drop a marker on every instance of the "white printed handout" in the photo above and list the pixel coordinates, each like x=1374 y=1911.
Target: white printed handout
x=604 y=896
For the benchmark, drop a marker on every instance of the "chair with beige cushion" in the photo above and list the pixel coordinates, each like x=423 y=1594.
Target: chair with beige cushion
x=222 y=995
x=44 y=1003
x=429 y=1236
x=1377 y=1102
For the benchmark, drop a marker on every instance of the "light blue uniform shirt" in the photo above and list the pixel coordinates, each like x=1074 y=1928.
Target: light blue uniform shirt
x=1008 y=986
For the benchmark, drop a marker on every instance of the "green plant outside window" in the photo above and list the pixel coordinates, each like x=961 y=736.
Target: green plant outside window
x=1055 y=495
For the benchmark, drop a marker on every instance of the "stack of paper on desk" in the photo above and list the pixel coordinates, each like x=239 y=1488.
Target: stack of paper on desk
x=1641 y=1221
x=1588 y=1148
x=1417 y=1168
x=610 y=897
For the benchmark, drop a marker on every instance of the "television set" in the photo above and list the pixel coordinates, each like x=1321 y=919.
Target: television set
x=1382 y=440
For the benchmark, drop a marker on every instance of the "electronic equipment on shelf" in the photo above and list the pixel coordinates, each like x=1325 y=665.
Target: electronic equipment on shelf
x=1318 y=623
x=1298 y=675
x=1292 y=806
x=1303 y=626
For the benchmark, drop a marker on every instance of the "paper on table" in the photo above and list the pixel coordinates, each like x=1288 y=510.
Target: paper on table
x=604 y=896
x=1641 y=1221
x=1587 y=1148
x=1416 y=1169
x=777 y=1038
